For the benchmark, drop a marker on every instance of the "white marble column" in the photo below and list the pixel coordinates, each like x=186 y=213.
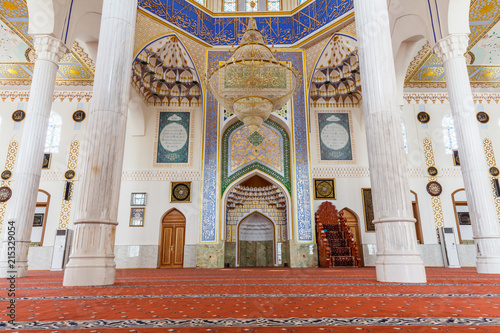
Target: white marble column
x=398 y=259
x=92 y=260
x=21 y=207
x=473 y=164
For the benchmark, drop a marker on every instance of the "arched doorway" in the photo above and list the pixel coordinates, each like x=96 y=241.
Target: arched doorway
x=40 y=218
x=173 y=230
x=416 y=215
x=256 y=238
x=352 y=222
x=462 y=216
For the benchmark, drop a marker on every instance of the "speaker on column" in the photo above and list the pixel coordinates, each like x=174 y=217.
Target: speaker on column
x=67 y=191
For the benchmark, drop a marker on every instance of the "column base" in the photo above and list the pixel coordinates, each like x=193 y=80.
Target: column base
x=401 y=269
x=21 y=266
x=89 y=271
x=487 y=265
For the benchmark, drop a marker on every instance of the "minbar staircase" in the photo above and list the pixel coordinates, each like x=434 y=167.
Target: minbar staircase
x=336 y=245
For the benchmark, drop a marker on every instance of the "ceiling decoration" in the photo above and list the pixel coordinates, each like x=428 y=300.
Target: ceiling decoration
x=251 y=83
x=17 y=55
x=483 y=52
x=164 y=75
x=225 y=28
x=337 y=81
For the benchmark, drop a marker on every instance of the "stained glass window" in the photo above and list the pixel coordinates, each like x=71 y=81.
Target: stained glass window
x=201 y=2
x=302 y=1
x=449 y=135
x=53 y=133
x=273 y=5
x=248 y=5
x=405 y=137
x=229 y=5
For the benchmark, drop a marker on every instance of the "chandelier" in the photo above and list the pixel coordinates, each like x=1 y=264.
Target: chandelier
x=251 y=83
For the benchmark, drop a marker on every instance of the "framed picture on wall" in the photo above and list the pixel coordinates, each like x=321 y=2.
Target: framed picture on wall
x=137 y=217
x=138 y=199
x=38 y=220
x=324 y=189
x=456 y=158
x=47 y=158
x=463 y=218
x=368 y=209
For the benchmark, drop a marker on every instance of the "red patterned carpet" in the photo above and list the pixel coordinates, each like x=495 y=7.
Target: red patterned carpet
x=257 y=300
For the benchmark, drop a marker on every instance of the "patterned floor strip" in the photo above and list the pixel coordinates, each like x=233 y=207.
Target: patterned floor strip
x=253 y=296
x=257 y=322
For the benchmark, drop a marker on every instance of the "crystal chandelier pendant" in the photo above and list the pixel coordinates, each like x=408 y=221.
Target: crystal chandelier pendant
x=251 y=83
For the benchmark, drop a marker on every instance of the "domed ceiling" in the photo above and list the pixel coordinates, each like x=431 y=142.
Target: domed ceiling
x=165 y=75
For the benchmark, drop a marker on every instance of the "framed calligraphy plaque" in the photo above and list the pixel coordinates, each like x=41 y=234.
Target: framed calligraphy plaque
x=335 y=139
x=173 y=138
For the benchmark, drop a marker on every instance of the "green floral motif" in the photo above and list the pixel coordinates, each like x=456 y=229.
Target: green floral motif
x=256 y=139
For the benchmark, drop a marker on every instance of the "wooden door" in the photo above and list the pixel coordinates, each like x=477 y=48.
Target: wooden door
x=172 y=240
x=352 y=222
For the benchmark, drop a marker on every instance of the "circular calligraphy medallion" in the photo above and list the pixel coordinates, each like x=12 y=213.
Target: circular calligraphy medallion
x=334 y=136
x=434 y=189
x=181 y=192
x=432 y=171
x=18 y=116
x=482 y=117
x=70 y=174
x=79 y=116
x=494 y=171
x=5 y=193
x=423 y=117
x=6 y=174
x=173 y=137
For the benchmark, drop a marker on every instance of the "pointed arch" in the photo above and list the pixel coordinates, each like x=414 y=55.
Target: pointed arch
x=270 y=179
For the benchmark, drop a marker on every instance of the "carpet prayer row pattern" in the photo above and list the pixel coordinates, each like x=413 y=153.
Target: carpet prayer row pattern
x=261 y=300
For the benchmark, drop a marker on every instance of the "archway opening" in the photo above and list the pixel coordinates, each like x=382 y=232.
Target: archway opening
x=256 y=241
x=256 y=224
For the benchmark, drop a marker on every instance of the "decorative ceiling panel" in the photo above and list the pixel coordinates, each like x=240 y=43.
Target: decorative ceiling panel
x=16 y=66
x=483 y=52
x=223 y=29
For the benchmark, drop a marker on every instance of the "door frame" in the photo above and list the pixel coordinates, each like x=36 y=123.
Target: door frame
x=360 y=241
x=45 y=204
x=418 y=224
x=160 y=247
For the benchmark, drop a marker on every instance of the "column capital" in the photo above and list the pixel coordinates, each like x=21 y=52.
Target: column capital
x=452 y=46
x=49 y=48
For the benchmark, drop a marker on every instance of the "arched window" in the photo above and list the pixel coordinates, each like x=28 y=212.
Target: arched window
x=230 y=5
x=53 y=133
x=449 y=135
x=273 y=5
x=405 y=137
